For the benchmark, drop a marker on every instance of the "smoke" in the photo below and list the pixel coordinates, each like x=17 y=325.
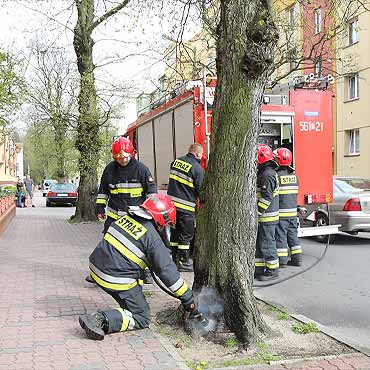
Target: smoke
x=211 y=305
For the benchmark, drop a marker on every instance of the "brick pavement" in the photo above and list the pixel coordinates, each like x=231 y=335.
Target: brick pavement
x=43 y=261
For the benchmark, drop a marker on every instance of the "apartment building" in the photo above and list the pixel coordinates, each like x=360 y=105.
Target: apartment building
x=8 y=159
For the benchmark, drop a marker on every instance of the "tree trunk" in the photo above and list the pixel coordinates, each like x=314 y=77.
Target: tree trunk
x=88 y=120
x=226 y=223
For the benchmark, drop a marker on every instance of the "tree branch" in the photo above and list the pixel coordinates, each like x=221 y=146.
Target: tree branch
x=108 y=14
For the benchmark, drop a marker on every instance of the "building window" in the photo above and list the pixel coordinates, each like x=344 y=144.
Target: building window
x=318 y=67
x=354 y=141
x=353 y=87
x=318 y=19
x=353 y=32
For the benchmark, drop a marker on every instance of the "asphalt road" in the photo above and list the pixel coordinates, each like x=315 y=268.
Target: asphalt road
x=335 y=292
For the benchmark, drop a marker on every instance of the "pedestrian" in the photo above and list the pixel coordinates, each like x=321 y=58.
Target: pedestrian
x=267 y=261
x=287 y=229
x=30 y=187
x=19 y=192
x=186 y=176
x=130 y=244
x=125 y=182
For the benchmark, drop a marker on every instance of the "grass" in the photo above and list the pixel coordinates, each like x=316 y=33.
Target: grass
x=305 y=328
x=148 y=294
x=281 y=313
x=231 y=342
x=186 y=339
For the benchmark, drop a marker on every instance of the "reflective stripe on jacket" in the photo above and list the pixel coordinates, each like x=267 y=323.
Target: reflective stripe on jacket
x=186 y=176
x=267 y=193
x=288 y=191
x=130 y=245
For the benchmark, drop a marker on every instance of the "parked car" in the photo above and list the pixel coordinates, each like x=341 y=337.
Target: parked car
x=46 y=186
x=62 y=194
x=350 y=207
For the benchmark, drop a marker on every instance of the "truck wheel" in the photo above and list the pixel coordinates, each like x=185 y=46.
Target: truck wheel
x=322 y=220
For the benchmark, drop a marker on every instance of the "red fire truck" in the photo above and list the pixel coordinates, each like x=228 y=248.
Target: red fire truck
x=301 y=119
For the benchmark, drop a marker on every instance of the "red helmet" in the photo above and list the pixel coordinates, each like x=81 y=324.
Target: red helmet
x=122 y=148
x=283 y=156
x=161 y=208
x=265 y=154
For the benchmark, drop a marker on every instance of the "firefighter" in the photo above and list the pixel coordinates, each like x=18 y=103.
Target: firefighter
x=287 y=230
x=130 y=244
x=186 y=176
x=125 y=182
x=266 y=261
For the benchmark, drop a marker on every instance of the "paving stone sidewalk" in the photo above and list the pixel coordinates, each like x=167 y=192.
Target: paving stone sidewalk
x=43 y=261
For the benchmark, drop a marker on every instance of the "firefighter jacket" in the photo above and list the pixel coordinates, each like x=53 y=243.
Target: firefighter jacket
x=123 y=186
x=186 y=176
x=288 y=190
x=267 y=193
x=130 y=245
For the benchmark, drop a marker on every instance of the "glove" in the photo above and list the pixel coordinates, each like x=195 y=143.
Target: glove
x=101 y=216
x=100 y=211
x=189 y=306
x=183 y=255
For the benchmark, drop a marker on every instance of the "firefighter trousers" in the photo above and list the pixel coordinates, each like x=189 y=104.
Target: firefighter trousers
x=183 y=234
x=266 y=254
x=133 y=312
x=287 y=237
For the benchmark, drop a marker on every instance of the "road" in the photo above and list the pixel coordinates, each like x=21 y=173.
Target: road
x=335 y=292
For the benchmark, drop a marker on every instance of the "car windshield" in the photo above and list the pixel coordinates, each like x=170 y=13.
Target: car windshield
x=62 y=187
x=352 y=184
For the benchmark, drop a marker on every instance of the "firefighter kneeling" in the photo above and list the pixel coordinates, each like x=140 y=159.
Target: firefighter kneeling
x=287 y=229
x=131 y=244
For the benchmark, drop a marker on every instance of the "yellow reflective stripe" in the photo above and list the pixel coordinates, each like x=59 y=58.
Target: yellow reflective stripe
x=111 y=286
x=272 y=266
x=183 y=246
x=134 y=192
x=282 y=254
x=296 y=251
x=125 y=251
x=179 y=179
x=268 y=219
x=182 y=290
x=113 y=215
x=183 y=206
x=259 y=264
x=288 y=191
x=125 y=319
x=101 y=201
x=263 y=205
x=287 y=214
x=174 y=244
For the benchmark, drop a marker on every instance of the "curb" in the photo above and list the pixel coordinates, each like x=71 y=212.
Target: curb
x=324 y=329
x=181 y=363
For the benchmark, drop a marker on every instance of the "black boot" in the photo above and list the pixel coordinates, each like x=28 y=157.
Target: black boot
x=269 y=275
x=295 y=260
x=89 y=279
x=94 y=325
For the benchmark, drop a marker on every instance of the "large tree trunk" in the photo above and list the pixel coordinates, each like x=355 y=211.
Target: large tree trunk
x=226 y=223
x=88 y=121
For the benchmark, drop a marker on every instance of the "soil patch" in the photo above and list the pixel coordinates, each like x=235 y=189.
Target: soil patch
x=285 y=342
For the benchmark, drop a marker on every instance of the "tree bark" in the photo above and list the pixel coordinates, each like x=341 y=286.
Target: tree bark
x=87 y=141
x=226 y=223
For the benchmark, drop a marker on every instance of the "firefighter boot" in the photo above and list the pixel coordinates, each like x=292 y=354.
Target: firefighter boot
x=269 y=275
x=147 y=277
x=295 y=260
x=89 y=279
x=94 y=324
x=183 y=263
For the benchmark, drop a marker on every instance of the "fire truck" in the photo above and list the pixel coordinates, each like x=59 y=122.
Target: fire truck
x=298 y=116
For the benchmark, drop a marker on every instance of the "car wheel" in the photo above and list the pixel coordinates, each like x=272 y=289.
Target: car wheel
x=322 y=220
x=48 y=204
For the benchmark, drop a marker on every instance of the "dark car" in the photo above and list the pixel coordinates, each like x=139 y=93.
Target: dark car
x=62 y=194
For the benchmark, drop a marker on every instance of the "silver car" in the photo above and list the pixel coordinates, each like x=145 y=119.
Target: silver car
x=350 y=207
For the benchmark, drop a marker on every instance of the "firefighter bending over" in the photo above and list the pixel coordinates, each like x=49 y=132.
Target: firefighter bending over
x=131 y=244
x=124 y=182
x=186 y=176
x=266 y=261
x=287 y=229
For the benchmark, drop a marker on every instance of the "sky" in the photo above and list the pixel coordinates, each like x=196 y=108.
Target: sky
x=134 y=37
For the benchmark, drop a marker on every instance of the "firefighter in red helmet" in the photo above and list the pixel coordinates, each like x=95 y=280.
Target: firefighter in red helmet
x=266 y=260
x=130 y=244
x=287 y=229
x=125 y=182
